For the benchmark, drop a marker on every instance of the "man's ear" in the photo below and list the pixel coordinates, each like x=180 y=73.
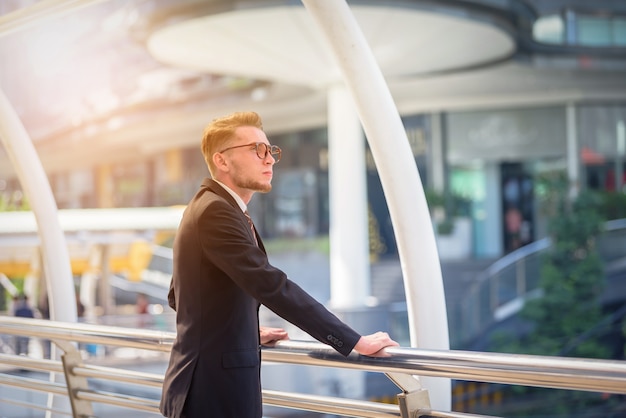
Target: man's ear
x=220 y=162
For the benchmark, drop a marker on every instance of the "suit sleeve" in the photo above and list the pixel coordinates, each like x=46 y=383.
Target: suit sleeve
x=226 y=242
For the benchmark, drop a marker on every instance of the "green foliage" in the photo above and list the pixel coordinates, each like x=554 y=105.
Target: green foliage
x=613 y=205
x=571 y=282
x=13 y=202
x=572 y=278
x=444 y=208
x=565 y=319
x=453 y=204
x=445 y=227
x=434 y=199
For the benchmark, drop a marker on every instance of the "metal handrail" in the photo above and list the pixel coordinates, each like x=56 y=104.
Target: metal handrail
x=500 y=290
x=118 y=375
x=581 y=374
x=542 y=371
x=328 y=405
x=88 y=333
x=594 y=375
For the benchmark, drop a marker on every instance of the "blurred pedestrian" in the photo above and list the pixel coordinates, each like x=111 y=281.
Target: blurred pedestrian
x=143 y=310
x=22 y=309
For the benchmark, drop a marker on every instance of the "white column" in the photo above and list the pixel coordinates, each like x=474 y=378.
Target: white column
x=437 y=155
x=573 y=162
x=349 y=238
x=423 y=283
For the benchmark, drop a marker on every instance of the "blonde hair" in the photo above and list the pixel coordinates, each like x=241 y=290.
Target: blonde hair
x=220 y=131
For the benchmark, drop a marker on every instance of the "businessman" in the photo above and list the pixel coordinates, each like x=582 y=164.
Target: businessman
x=222 y=275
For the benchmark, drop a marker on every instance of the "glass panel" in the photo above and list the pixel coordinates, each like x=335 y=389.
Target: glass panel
x=619 y=31
x=594 y=31
x=469 y=184
x=601 y=130
x=295 y=203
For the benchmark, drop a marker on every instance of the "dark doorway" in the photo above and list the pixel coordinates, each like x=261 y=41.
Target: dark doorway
x=517 y=206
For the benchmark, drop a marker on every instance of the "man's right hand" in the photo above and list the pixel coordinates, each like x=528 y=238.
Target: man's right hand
x=371 y=345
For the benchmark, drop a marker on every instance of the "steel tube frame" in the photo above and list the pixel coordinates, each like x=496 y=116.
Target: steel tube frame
x=593 y=375
x=56 y=259
x=419 y=258
x=532 y=370
x=605 y=376
x=328 y=405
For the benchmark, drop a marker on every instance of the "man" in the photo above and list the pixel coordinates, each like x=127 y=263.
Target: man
x=22 y=310
x=222 y=275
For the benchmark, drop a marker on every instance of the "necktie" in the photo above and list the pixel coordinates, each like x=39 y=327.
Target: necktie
x=251 y=227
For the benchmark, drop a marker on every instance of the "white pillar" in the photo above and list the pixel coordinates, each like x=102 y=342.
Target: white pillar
x=89 y=282
x=349 y=238
x=573 y=163
x=423 y=283
x=437 y=155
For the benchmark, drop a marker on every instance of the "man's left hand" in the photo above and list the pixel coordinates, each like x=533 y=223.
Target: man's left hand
x=271 y=335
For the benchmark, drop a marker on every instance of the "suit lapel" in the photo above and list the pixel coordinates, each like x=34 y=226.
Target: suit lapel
x=214 y=187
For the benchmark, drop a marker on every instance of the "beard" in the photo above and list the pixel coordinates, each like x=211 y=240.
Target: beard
x=254 y=185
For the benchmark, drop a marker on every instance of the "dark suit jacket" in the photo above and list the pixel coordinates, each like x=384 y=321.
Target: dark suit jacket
x=220 y=279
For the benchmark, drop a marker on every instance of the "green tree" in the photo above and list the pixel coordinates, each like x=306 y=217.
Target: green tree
x=13 y=201
x=572 y=280
x=563 y=318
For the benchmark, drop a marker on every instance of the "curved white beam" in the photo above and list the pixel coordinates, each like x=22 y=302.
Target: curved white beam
x=400 y=179
x=35 y=13
x=56 y=259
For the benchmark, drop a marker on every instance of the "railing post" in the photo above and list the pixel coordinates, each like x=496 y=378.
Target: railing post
x=71 y=359
x=411 y=403
x=413 y=397
x=494 y=298
x=520 y=282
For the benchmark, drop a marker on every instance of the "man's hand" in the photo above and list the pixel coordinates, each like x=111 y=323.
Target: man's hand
x=371 y=345
x=271 y=335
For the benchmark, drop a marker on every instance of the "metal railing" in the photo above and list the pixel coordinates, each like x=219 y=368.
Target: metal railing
x=401 y=366
x=501 y=289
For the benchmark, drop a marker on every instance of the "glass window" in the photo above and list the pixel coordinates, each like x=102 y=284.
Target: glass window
x=619 y=31
x=594 y=31
x=603 y=146
x=581 y=29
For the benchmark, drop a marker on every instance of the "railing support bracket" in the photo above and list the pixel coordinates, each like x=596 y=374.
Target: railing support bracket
x=80 y=408
x=411 y=403
x=413 y=397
